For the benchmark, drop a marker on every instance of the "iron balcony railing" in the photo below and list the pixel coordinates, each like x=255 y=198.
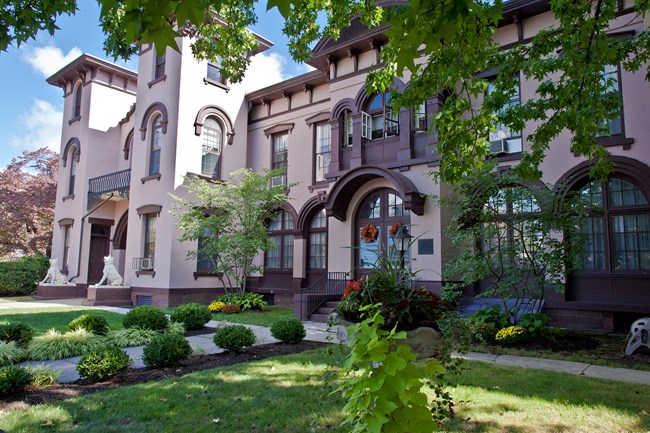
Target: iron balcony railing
x=329 y=287
x=118 y=182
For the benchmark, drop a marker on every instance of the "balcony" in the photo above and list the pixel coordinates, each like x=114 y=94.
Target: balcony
x=117 y=183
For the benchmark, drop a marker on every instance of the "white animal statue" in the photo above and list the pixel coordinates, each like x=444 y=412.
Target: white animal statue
x=639 y=335
x=110 y=274
x=54 y=275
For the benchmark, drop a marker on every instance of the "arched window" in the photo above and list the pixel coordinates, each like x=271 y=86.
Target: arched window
x=281 y=228
x=212 y=141
x=72 y=155
x=156 y=144
x=617 y=233
x=378 y=119
x=77 y=102
x=346 y=129
x=318 y=241
x=379 y=212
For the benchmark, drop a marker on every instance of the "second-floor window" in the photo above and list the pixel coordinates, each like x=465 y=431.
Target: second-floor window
x=159 y=66
x=379 y=120
x=150 y=235
x=420 y=118
x=610 y=77
x=73 y=169
x=77 y=102
x=347 y=129
x=212 y=139
x=214 y=73
x=280 y=158
x=323 y=150
x=156 y=144
x=502 y=139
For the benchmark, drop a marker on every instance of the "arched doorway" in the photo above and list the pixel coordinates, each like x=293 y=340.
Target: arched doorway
x=379 y=211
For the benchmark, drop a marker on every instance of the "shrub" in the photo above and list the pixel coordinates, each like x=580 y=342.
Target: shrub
x=511 y=335
x=14 y=379
x=19 y=332
x=535 y=324
x=91 y=323
x=54 y=345
x=176 y=327
x=43 y=376
x=246 y=300
x=10 y=353
x=483 y=332
x=166 y=350
x=103 y=363
x=231 y=309
x=193 y=316
x=290 y=330
x=492 y=316
x=129 y=337
x=234 y=338
x=146 y=317
x=21 y=277
x=216 y=306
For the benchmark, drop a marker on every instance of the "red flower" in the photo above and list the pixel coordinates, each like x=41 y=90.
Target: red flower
x=346 y=293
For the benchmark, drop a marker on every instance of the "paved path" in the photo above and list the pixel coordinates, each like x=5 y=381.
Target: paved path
x=319 y=332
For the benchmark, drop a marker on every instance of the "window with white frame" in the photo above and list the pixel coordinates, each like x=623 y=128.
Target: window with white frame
x=280 y=158
x=502 y=139
x=347 y=129
x=212 y=141
x=215 y=74
x=156 y=145
x=66 y=247
x=420 y=118
x=612 y=84
x=379 y=120
x=323 y=150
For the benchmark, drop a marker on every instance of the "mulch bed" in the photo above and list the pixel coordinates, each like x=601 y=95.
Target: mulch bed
x=142 y=375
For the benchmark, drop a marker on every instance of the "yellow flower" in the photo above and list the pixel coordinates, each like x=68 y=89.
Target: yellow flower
x=216 y=306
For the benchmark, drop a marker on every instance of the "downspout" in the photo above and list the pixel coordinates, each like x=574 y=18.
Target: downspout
x=81 y=237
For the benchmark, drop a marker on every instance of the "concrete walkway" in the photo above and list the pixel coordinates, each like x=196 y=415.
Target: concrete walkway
x=317 y=331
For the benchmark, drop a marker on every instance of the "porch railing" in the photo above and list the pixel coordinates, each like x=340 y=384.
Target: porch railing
x=329 y=287
x=118 y=182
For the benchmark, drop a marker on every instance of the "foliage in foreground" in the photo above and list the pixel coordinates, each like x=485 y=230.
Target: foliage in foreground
x=20 y=332
x=21 y=276
x=129 y=337
x=10 y=353
x=193 y=315
x=54 y=345
x=146 y=317
x=14 y=379
x=103 y=363
x=234 y=338
x=289 y=330
x=44 y=376
x=166 y=350
x=98 y=325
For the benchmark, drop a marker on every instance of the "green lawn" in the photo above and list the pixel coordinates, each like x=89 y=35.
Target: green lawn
x=266 y=317
x=58 y=318
x=291 y=394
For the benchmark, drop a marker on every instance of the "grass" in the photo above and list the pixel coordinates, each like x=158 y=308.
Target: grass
x=58 y=318
x=266 y=317
x=289 y=394
x=16 y=299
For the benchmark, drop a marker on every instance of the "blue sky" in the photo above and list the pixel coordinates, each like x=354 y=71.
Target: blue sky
x=31 y=109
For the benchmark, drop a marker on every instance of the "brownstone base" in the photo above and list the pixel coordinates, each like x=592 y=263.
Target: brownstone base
x=68 y=291
x=109 y=296
x=173 y=297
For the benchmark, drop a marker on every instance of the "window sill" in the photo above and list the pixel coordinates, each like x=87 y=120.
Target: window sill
x=152 y=177
x=514 y=156
x=319 y=185
x=68 y=197
x=204 y=274
x=617 y=140
x=157 y=80
x=216 y=83
x=152 y=273
x=74 y=119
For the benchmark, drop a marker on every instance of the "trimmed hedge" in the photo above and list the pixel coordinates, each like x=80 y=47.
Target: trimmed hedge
x=98 y=325
x=103 y=363
x=234 y=338
x=146 y=317
x=21 y=277
x=166 y=350
x=20 y=332
x=194 y=316
x=14 y=379
x=290 y=330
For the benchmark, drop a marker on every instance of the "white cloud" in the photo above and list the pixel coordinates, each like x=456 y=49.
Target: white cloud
x=40 y=126
x=49 y=59
x=265 y=70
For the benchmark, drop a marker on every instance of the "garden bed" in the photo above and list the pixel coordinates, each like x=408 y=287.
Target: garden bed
x=142 y=375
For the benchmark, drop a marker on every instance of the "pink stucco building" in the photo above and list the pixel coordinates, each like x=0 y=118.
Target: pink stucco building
x=129 y=138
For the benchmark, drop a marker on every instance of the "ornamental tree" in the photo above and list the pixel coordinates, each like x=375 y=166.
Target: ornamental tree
x=229 y=221
x=27 y=197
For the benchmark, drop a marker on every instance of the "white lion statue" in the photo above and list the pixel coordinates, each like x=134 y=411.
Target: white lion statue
x=110 y=274
x=54 y=275
x=639 y=335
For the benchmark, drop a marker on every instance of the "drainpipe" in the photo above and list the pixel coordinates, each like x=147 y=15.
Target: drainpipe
x=81 y=237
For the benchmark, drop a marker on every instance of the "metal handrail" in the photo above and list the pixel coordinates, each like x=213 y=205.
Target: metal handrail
x=329 y=287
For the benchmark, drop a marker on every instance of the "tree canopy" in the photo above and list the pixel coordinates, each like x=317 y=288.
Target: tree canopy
x=454 y=37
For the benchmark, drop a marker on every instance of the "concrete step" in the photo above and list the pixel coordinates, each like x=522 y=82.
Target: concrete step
x=323 y=310
x=316 y=317
x=331 y=304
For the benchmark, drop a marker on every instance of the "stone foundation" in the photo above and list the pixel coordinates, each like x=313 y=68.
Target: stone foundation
x=67 y=291
x=111 y=296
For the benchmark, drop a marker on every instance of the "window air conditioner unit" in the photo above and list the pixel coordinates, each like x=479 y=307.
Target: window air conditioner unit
x=278 y=181
x=498 y=146
x=146 y=264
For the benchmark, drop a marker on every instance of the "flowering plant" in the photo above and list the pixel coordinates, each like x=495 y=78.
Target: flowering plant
x=395 y=228
x=369 y=233
x=511 y=335
x=216 y=306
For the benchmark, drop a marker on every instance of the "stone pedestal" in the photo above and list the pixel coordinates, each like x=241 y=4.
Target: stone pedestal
x=60 y=291
x=111 y=296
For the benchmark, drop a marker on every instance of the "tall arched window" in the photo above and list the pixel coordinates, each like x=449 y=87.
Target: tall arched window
x=156 y=144
x=318 y=241
x=76 y=113
x=72 y=155
x=617 y=233
x=212 y=141
x=378 y=119
x=281 y=228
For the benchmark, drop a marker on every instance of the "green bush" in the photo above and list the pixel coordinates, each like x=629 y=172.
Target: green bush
x=535 y=324
x=290 y=330
x=146 y=317
x=54 y=345
x=43 y=376
x=19 y=332
x=246 y=301
x=103 y=363
x=14 y=379
x=166 y=350
x=21 y=277
x=492 y=316
x=234 y=338
x=194 y=316
x=130 y=337
x=98 y=325
x=10 y=353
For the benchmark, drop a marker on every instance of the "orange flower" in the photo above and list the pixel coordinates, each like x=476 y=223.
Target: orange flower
x=394 y=228
x=369 y=233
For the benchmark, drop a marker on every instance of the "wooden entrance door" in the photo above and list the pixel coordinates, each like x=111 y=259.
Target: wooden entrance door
x=99 y=247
